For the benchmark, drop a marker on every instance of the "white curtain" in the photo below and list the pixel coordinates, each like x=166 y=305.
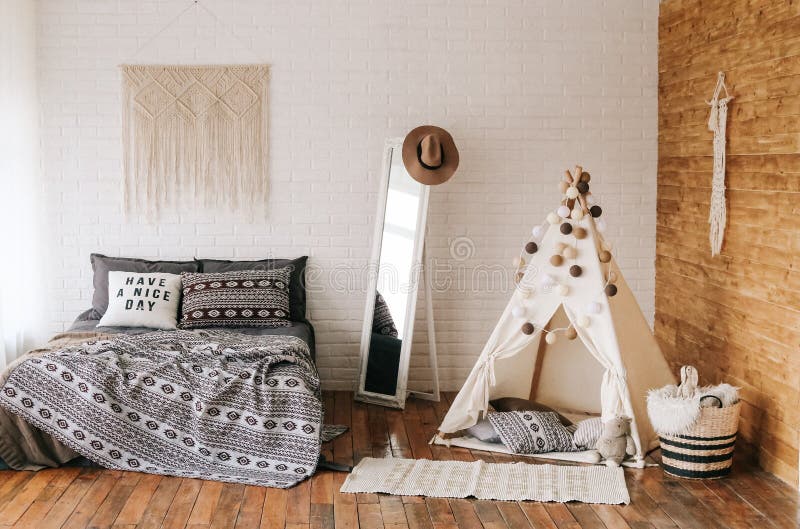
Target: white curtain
x=21 y=315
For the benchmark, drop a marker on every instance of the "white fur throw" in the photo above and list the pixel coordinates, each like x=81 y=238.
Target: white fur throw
x=672 y=414
x=729 y=395
x=669 y=413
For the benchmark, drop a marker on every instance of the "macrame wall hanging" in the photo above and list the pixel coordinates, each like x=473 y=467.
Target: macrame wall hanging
x=194 y=131
x=194 y=135
x=717 y=123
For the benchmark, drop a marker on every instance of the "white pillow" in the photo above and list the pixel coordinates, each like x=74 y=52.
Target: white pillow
x=587 y=432
x=142 y=300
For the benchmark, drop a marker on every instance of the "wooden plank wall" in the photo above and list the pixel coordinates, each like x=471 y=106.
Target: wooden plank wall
x=737 y=316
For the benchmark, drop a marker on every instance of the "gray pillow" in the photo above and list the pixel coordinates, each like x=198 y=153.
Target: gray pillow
x=102 y=265
x=484 y=431
x=532 y=432
x=297 y=279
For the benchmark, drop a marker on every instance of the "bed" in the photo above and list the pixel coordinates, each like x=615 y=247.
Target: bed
x=235 y=404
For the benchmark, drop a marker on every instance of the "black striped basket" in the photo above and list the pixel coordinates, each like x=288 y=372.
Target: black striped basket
x=705 y=451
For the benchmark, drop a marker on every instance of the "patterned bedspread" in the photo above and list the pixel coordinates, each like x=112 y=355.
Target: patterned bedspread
x=209 y=404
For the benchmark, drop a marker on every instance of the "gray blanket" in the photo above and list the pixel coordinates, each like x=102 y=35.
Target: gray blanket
x=215 y=405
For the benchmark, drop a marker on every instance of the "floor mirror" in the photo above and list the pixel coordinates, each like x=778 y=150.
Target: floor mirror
x=393 y=283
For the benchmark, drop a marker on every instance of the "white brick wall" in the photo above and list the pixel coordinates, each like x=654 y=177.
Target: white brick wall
x=526 y=87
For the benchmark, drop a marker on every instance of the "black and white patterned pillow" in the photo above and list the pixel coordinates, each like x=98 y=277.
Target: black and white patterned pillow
x=382 y=321
x=247 y=298
x=532 y=432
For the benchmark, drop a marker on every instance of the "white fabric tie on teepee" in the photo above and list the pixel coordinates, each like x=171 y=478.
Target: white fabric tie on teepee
x=717 y=123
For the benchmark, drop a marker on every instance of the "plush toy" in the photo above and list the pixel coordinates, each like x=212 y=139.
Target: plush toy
x=616 y=441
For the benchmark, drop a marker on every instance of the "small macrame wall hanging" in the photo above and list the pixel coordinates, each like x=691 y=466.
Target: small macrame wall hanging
x=717 y=123
x=195 y=135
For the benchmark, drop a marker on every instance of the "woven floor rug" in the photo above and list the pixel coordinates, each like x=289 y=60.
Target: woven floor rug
x=488 y=481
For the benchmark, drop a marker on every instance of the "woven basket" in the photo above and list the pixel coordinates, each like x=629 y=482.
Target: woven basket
x=706 y=450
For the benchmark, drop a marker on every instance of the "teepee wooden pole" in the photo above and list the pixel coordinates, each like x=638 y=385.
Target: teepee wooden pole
x=573 y=180
x=538 y=363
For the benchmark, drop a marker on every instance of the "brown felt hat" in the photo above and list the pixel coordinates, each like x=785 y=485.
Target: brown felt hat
x=430 y=155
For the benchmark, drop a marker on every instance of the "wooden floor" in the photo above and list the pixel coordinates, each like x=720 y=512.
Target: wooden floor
x=89 y=497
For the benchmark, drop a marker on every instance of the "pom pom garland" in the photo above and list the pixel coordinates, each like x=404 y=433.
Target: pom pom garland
x=568 y=215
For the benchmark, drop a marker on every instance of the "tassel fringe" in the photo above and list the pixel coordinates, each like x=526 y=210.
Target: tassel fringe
x=717 y=123
x=195 y=136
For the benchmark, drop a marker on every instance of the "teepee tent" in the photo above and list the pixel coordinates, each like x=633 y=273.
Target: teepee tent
x=572 y=336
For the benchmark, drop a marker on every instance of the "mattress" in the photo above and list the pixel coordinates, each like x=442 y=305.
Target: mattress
x=300 y=329
x=581 y=456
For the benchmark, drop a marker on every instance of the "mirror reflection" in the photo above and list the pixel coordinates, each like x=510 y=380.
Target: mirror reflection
x=396 y=275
